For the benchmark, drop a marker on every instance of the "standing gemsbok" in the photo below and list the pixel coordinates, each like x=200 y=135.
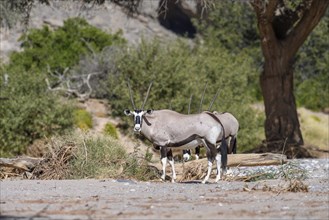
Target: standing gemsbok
x=168 y=129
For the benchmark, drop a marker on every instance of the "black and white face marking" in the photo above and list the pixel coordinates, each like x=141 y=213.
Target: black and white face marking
x=138 y=117
x=138 y=114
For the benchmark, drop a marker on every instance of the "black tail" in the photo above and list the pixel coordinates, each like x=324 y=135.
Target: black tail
x=233 y=145
x=223 y=152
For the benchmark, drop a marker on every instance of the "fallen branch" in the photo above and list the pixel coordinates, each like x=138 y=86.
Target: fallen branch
x=21 y=163
x=234 y=160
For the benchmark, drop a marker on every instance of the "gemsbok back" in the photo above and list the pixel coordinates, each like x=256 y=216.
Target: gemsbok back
x=168 y=129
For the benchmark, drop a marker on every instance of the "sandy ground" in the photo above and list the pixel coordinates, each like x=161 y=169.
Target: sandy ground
x=128 y=199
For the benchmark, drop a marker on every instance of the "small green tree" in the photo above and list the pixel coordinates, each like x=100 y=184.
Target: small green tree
x=29 y=112
x=63 y=47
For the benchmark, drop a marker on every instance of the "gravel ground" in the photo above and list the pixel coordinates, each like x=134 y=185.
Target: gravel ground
x=128 y=199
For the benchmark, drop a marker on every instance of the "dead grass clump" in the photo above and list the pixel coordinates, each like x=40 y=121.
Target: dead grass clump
x=56 y=164
x=296 y=186
x=19 y=167
x=10 y=172
x=38 y=148
x=193 y=173
x=290 y=186
x=80 y=155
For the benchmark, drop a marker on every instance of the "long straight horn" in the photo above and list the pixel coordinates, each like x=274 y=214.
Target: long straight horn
x=131 y=95
x=213 y=100
x=147 y=94
x=204 y=91
x=189 y=105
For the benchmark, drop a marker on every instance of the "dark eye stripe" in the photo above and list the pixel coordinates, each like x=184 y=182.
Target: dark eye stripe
x=137 y=120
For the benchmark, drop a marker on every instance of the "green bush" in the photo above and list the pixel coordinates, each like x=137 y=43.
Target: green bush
x=110 y=129
x=313 y=93
x=62 y=47
x=29 y=113
x=83 y=119
x=312 y=67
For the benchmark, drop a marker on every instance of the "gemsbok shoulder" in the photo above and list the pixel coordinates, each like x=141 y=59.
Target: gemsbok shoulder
x=167 y=129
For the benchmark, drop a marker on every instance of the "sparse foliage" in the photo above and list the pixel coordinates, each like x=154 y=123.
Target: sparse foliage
x=110 y=130
x=83 y=119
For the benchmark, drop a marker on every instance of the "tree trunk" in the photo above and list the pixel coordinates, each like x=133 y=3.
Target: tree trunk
x=282 y=129
x=282 y=32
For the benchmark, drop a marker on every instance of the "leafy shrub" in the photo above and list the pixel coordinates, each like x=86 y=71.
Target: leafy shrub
x=313 y=93
x=312 y=69
x=29 y=113
x=109 y=129
x=83 y=119
x=62 y=47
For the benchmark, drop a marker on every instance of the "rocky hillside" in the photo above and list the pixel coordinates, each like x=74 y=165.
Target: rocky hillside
x=150 y=22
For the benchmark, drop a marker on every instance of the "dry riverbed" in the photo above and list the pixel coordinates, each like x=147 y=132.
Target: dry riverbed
x=129 y=199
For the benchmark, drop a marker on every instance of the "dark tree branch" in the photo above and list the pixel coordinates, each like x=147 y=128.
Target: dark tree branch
x=265 y=14
x=311 y=16
x=284 y=19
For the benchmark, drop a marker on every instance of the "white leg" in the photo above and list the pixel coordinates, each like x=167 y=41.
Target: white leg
x=164 y=164
x=196 y=157
x=171 y=162
x=219 y=162
x=186 y=157
x=208 y=173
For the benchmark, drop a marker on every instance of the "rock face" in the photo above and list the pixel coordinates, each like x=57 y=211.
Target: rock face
x=151 y=21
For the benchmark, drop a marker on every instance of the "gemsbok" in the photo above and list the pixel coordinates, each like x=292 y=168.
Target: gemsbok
x=231 y=128
x=229 y=122
x=167 y=129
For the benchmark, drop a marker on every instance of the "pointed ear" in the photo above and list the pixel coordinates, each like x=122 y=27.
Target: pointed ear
x=149 y=111
x=127 y=112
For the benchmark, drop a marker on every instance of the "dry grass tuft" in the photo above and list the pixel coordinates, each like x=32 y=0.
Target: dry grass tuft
x=193 y=173
x=296 y=186
x=56 y=164
x=315 y=128
x=290 y=186
x=10 y=172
